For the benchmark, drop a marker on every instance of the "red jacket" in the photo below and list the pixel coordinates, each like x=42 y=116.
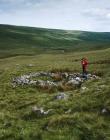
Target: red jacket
x=84 y=63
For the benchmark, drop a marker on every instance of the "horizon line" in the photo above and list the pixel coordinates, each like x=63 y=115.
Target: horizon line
x=54 y=28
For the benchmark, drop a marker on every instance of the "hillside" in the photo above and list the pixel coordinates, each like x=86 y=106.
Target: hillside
x=16 y=40
x=84 y=115
x=38 y=100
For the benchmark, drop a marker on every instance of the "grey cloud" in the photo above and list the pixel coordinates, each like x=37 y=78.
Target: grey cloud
x=98 y=13
x=64 y=14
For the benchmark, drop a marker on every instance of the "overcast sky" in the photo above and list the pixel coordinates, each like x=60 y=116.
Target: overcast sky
x=92 y=15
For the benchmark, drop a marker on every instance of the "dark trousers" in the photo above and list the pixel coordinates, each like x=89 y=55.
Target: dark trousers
x=84 y=72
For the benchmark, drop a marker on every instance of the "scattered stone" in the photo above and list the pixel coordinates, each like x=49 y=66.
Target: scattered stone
x=78 y=79
x=84 y=88
x=74 y=83
x=65 y=75
x=68 y=111
x=14 y=85
x=40 y=111
x=30 y=65
x=32 y=82
x=105 y=111
x=58 y=80
x=57 y=76
x=89 y=76
x=61 y=96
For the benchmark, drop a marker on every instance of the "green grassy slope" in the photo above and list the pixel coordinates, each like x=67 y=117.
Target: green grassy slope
x=16 y=40
x=36 y=46
x=84 y=122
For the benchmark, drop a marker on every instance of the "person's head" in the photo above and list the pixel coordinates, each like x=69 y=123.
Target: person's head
x=84 y=58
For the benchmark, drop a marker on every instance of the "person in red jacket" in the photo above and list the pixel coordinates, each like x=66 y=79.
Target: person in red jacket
x=84 y=63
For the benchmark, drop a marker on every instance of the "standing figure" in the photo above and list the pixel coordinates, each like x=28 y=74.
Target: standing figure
x=84 y=63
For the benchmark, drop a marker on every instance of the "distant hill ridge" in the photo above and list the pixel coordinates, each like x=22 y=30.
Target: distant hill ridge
x=20 y=40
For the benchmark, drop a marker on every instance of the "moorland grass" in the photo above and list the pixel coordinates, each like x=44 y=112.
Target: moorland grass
x=85 y=121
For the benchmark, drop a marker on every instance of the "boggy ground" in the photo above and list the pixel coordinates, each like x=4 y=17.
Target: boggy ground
x=84 y=115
